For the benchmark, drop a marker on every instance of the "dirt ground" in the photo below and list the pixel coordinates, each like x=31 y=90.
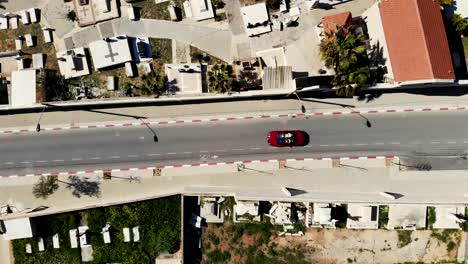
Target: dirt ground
x=328 y=246
x=371 y=246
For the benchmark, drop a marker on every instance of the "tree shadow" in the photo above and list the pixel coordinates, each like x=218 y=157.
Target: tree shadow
x=324 y=6
x=368 y=97
x=82 y=186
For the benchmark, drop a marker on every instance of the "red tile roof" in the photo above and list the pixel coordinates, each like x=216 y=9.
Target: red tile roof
x=416 y=40
x=344 y=19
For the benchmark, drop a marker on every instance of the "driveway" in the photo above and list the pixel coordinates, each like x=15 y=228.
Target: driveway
x=217 y=42
x=16 y=5
x=54 y=14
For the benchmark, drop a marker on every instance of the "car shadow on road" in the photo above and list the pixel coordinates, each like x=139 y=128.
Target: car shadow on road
x=306 y=138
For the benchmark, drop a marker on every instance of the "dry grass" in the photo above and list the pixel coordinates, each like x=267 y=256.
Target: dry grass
x=162 y=50
x=149 y=9
x=250 y=2
x=246 y=243
x=7 y=43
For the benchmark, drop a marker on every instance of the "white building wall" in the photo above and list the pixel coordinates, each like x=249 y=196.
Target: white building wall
x=377 y=35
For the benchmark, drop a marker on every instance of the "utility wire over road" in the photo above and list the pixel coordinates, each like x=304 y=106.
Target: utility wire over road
x=400 y=134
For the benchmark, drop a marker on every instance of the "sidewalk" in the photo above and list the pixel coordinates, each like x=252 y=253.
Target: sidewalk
x=385 y=103
x=6 y=252
x=355 y=180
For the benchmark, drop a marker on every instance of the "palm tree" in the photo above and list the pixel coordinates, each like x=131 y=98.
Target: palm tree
x=345 y=51
x=45 y=187
x=219 y=79
x=446 y=2
x=459 y=23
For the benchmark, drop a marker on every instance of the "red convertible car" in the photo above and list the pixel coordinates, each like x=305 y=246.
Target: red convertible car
x=288 y=138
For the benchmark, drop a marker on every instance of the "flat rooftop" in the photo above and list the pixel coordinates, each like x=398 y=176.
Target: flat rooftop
x=95 y=11
x=18 y=228
x=407 y=216
x=110 y=52
x=446 y=216
x=201 y=9
x=256 y=19
x=185 y=78
x=23 y=87
x=73 y=63
x=363 y=216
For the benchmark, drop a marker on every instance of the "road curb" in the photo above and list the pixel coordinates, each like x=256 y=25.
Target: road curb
x=221 y=119
x=208 y=164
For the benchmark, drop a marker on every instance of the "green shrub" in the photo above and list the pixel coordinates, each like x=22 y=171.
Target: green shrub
x=443 y=236
x=273 y=4
x=213 y=238
x=218 y=256
x=450 y=246
x=431 y=217
x=383 y=216
x=71 y=15
x=404 y=238
x=46 y=227
x=299 y=226
x=159 y=222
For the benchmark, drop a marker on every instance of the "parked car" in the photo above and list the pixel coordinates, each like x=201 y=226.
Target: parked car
x=288 y=138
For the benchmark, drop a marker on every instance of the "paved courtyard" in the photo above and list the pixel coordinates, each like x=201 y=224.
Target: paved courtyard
x=301 y=43
x=16 y=5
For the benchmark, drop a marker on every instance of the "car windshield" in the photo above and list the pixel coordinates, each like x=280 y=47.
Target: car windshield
x=286 y=138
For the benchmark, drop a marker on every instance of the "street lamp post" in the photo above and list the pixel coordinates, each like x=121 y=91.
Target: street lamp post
x=303 y=109
x=368 y=123
x=38 y=125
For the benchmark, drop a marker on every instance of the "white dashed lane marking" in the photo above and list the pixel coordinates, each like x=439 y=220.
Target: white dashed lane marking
x=245 y=149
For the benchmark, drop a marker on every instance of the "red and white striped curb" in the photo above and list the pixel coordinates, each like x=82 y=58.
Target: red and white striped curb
x=144 y=168
x=182 y=121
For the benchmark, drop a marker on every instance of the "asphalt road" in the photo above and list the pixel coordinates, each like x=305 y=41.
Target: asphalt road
x=412 y=135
